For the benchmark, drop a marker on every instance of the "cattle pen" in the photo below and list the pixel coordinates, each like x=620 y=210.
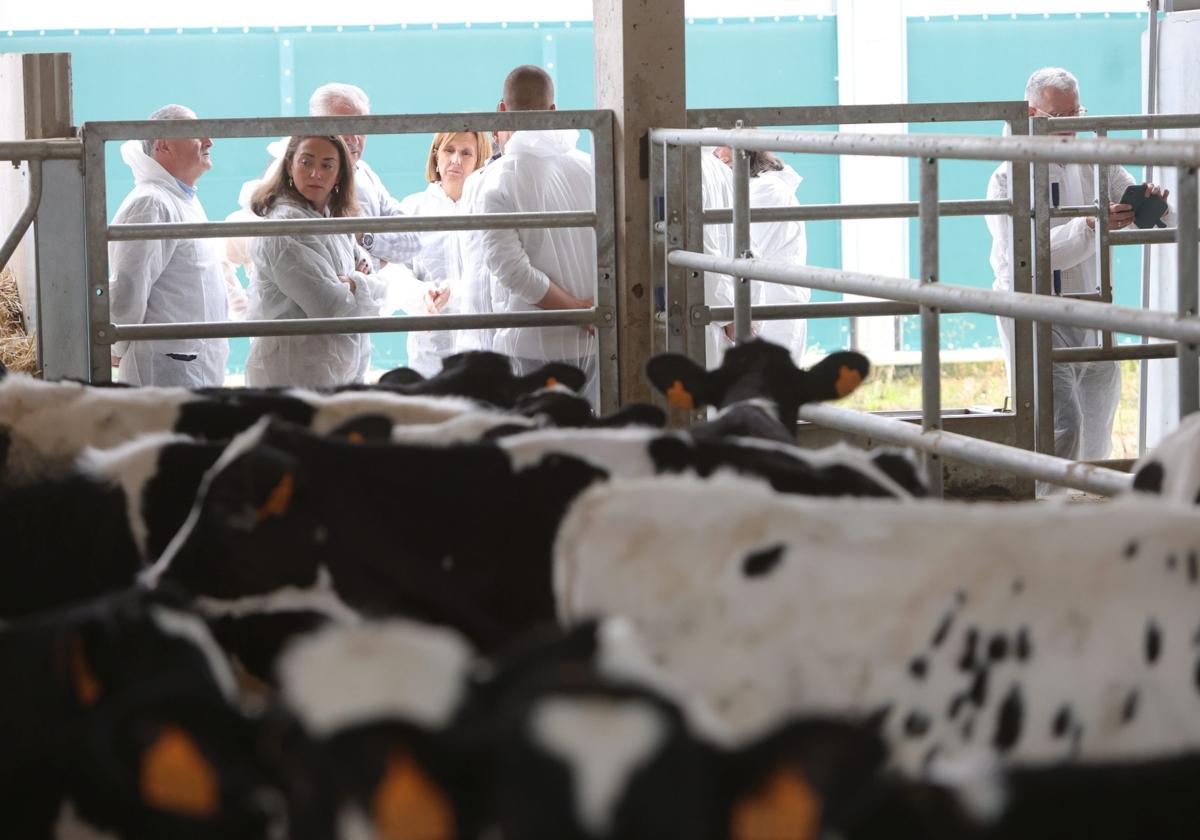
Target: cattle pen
x=681 y=251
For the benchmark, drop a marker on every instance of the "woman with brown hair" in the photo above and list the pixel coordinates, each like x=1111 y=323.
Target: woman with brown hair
x=310 y=276
x=431 y=282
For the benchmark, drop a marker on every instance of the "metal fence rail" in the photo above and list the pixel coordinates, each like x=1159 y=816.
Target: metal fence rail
x=1034 y=153
x=602 y=317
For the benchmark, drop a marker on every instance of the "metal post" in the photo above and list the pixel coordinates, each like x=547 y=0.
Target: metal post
x=27 y=215
x=741 y=244
x=694 y=303
x=1042 y=285
x=95 y=217
x=606 y=263
x=1020 y=178
x=1148 y=177
x=1103 y=243
x=1189 y=289
x=931 y=363
x=674 y=211
x=63 y=333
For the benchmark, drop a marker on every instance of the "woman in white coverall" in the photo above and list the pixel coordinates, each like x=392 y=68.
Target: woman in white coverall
x=430 y=282
x=167 y=280
x=310 y=276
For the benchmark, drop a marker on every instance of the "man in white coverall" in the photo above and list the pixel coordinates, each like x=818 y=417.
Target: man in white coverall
x=537 y=268
x=167 y=280
x=1086 y=394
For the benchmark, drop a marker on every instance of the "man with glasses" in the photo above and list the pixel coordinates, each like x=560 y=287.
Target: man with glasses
x=1086 y=394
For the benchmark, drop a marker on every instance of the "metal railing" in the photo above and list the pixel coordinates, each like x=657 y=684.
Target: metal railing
x=1025 y=152
x=32 y=153
x=602 y=317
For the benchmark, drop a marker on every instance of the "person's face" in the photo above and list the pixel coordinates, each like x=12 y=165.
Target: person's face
x=185 y=158
x=456 y=160
x=315 y=169
x=1053 y=102
x=355 y=142
x=724 y=154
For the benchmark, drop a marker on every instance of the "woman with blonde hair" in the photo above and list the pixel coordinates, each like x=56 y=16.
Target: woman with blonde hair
x=308 y=275
x=431 y=281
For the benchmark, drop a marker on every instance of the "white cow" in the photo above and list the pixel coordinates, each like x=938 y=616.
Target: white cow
x=1038 y=631
x=1172 y=469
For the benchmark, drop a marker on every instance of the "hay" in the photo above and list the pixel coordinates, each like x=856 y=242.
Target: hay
x=18 y=350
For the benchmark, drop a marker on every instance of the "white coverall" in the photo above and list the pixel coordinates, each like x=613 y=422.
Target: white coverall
x=717 y=191
x=540 y=171
x=1086 y=394
x=166 y=281
x=297 y=277
x=439 y=263
x=475 y=286
x=784 y=241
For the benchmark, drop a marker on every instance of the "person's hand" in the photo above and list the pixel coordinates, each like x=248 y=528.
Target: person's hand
x=363 y=266
x=116 y=360
x=358 y=237
x=436 y=298
x=349 y=281
x=1155 y=189
x=1119 y=216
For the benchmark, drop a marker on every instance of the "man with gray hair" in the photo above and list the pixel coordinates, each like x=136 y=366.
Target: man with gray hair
x=1086 y=394
x=167 y=280
x=337 y=99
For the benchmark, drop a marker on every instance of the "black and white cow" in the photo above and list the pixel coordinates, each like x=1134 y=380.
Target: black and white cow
x=378 y=749
x=757 y=388
x=119 y=718
x=1036 y=631
x=458 y=534
x=1172 y=469
x=483 y=376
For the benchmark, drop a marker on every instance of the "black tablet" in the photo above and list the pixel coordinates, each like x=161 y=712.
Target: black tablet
x=1147 y=210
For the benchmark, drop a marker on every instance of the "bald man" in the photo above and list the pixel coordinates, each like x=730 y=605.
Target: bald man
x=534 y=269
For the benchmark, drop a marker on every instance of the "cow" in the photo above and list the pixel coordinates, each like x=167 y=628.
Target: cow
x=480 y=375
x=289 y=517
x=120 y=718
x=758 y=389
x=1172 y=469
x=377 y=749
x=1036 y=632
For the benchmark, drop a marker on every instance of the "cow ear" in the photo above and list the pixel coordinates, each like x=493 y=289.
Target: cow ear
x=785 y=807
x=549 y=375
x=401 y=376
x=175 y=777
x=365 y=427
x=408 y=803
x=683 y=382
x=837 y=375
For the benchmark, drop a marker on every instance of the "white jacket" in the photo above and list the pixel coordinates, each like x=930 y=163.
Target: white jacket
x=439 y=263
x=1072 y=241
x=716 y=181
x=475 y=286
x=165 y=281
x=297 y=277
x=540 y=171
x=783 y=241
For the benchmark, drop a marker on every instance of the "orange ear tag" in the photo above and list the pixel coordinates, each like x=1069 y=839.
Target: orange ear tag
x=551 y=382
x=680 y=397
x=176 y=778
x=786 y=808
x=87 y=687
x=355 y=437
x=408 y=805
x=847 y=382
x=277 y=503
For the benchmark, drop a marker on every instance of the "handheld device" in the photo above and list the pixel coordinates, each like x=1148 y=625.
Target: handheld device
x=1147 y=210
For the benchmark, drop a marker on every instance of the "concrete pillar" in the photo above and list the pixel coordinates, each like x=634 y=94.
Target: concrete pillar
x=640 y=76
x=35 y=103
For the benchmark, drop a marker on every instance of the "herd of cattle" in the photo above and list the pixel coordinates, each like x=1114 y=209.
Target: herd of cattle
x=465 y=607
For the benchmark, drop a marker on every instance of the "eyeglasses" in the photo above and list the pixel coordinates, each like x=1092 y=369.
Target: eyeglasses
x=1078 y=112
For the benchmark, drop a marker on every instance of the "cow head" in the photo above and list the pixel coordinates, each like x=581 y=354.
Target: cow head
x=757 y=372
